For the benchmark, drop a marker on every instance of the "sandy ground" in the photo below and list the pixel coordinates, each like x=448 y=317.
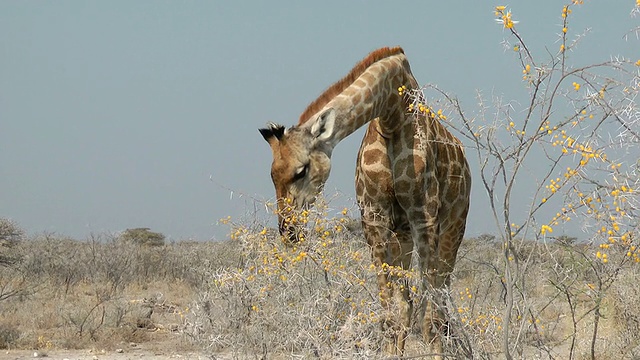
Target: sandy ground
x=157 y=350
x=136 y=353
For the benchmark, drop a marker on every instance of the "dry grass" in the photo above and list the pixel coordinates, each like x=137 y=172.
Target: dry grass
x=319 y=298
x=100 y=293
x=255 y=296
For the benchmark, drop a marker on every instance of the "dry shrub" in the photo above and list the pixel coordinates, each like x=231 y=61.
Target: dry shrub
x=567 y=296
x=8 y=335
x=254 y=295
x=319 y=298
x=622 y=309
x=316 y=298
x=98 y=293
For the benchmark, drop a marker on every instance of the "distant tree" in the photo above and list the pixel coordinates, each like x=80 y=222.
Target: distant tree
x=10 y=235
x=486 y=238
x=142 y=236
x=566 y=240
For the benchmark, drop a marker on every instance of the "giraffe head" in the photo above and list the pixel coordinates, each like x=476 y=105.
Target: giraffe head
x=300 y=167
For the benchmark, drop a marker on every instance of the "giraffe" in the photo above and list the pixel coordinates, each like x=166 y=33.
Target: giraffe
x=412 y=184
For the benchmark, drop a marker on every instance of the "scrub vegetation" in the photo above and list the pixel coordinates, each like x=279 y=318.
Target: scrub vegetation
x=526 y=290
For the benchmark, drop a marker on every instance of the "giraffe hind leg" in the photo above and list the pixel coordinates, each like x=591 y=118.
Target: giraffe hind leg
x=436 y=326
x=432 y=308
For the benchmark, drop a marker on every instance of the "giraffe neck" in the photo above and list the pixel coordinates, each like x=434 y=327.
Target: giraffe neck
x=374 y=94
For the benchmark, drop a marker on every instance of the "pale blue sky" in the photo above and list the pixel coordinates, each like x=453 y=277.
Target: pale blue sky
x=115 y=114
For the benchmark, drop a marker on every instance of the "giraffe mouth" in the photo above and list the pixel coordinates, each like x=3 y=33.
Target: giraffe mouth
x=291 y=234
x=291 y=224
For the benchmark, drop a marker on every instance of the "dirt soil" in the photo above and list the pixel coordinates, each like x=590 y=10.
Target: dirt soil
x=161 y=350
x=138 y=352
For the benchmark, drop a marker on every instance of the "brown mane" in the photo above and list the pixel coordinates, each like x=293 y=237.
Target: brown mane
x=343 y=83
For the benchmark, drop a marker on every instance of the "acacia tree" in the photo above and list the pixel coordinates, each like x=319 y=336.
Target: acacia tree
x=10 y=235
x=579 y=132
x=142 y=236
x=11 y=280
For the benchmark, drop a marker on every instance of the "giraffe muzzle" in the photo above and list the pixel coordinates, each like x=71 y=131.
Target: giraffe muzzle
x=291 y=234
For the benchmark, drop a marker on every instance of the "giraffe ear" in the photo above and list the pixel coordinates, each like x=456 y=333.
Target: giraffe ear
x=322 y=127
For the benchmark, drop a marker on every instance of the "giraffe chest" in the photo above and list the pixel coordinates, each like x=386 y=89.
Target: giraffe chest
x=395 y=168
x=411 y=153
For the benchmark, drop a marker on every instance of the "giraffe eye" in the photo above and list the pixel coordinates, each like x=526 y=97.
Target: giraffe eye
x=301 y=172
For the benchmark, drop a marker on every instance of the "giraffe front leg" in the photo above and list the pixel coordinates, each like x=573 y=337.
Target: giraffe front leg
x=400 y=251
x=375 y=236
x=381 y=217
x=391 y=255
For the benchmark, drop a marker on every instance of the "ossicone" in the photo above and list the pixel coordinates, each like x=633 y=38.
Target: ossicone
x=272 y=131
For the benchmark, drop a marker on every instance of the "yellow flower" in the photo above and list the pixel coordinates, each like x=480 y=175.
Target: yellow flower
x=502 y=7
x=505 y=18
